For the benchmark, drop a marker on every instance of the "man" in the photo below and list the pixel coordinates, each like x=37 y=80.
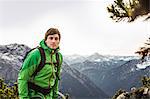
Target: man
x=48 y=77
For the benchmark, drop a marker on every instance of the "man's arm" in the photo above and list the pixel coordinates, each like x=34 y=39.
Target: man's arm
x=28 y=67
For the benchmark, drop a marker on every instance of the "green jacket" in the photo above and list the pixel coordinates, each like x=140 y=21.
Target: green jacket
x=46 y=76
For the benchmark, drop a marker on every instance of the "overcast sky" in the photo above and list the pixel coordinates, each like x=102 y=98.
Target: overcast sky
x=84 y=24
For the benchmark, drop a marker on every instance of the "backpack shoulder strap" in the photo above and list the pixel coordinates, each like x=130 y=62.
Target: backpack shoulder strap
x=57 y=65
x=42 y=62
x=57 y=59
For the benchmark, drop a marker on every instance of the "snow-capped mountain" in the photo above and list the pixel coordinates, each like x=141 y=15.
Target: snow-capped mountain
x=124 y=76
x=13 y=54
x=109 y=73
x=73 y=82
x=14 y=49
x=11 y=60
x=106 y=71
x=96 y=57
x=99 y=62
x=72 y=59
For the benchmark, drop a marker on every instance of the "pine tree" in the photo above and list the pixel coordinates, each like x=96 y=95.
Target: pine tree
x=144 y=51
x=137 y=93
x=120 y=91
x=8 y=92
x=129 y=9
x=146 y=81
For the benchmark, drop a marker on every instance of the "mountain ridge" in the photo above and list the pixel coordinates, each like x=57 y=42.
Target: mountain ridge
x=11 y=61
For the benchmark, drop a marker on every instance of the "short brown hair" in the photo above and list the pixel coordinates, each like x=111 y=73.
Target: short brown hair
x=52 y=31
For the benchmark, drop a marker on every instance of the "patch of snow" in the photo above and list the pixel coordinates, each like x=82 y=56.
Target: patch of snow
x=97 y=60
x=129 y=58
x=7 y=57
x=143 y=65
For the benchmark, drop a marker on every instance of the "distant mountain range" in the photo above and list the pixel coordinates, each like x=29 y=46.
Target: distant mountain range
x=96 y=57
x=111 y=73
x=83 y=77
x=77 y=85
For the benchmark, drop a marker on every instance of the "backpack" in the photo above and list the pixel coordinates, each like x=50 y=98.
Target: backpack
x=33 y=86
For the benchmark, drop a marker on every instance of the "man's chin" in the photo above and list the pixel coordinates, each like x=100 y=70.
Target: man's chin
x=53 y=48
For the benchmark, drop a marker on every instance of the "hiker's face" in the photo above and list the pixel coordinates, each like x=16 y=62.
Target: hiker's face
x=52 y=41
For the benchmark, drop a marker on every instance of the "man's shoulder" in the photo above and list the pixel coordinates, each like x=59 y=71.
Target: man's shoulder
x=34 y=52
x=60 y=54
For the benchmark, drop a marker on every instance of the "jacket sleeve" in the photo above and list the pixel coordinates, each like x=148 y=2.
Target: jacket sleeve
x=28 y=67
x=55 y=88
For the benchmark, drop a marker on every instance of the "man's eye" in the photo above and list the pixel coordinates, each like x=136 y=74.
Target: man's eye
x=56 y=38
x=51 y=38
